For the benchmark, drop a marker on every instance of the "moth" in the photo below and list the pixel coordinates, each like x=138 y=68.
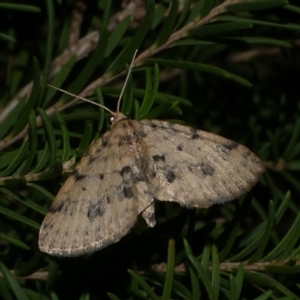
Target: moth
x=129 y=167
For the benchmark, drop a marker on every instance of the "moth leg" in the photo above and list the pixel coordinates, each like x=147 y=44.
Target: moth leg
x=149 y=215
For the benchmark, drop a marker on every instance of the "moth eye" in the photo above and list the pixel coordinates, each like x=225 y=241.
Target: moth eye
x=111 y=120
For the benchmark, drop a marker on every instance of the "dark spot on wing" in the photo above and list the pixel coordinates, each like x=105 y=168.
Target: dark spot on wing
x=170 y=176
x=93 y=211
x=230 y=146
x=201 y=169
x=255 y=160
x=153 y=125
x=71 y=211
x=142 y=162
x=172 y=127
x=153 y=173
x=192 y=168
x=224 y=182
x=83 y=189
x=108 y=199
x=140 y=133
x=231 y=191
x=104 y=142
x=87 y=153
x=239 y=185
x=87 y=233
x=66 y=207
x=100 y=176
x=78 y=176
x=224 y=150
x=249 y=181
x=195 y=136
x=207 y=169
x=45 y=225
x=92 y=158
x=159 y=158
x=125 y=170
x=54 y=208
x=96 y=209
x=246 y=154
x=137 y=177
x=179 y=147
x=127 y=191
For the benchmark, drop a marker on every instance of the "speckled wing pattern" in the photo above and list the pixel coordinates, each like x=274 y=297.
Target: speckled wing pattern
x=100 y=201
x=197 y=168
x=122 y=173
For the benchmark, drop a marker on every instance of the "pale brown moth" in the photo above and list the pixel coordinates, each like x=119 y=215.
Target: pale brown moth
x=137 y=162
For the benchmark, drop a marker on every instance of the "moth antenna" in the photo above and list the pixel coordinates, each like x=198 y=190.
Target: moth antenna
x=97 y=104
x=84 y=99
x=126 y=80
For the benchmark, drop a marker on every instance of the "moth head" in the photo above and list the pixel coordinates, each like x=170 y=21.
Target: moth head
x=116 y=117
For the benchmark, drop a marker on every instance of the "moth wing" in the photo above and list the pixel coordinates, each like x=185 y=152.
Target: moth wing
x=197 y=168
x=94 y=208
